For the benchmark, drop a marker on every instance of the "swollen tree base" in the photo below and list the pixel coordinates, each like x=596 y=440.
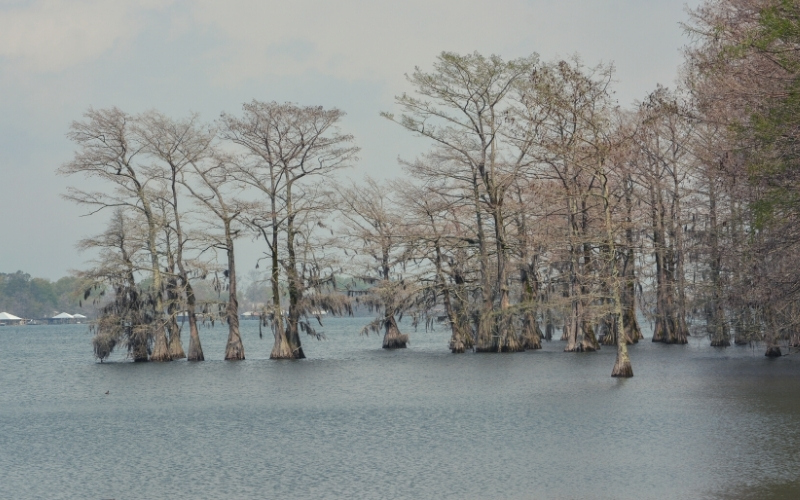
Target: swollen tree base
x=579 y=348
x=622 y=369
x=195 y=348
x=138 y=348
x=175 y=347
x=396 y=341
x=531 y=334
x=287 y=354
x=773 y=352
x=393 y=339
x=457 y=346
x=282 y=349
x=195 y=352
x=160 y=349
x=234 y=351
x=460 y=341
x=531 y=343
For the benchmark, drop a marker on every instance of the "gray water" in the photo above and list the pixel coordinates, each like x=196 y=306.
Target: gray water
x=356 y=421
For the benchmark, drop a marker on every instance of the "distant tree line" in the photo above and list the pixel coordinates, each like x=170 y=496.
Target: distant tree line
x=35 y=298
x=542 y=205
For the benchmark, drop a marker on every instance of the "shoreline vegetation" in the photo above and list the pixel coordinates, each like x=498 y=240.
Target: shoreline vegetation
x=541 y=205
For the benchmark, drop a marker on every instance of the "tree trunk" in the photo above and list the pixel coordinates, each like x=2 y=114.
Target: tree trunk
x=631 y=324
x=549 y=327
x=507 y=333
x=175 y=347
x=622 y=366
x=485 y=339
x=573 y=326
x=138 y=342
x=195 y=348
x=287 y=342
x=160 y=347
x=234 y=350
x=589 y=342
x=460 y=341
x=393 y=339
x=717 y=327
x=531 y=335
x=667 y=325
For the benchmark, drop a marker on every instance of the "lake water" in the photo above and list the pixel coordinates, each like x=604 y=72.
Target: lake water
x=356 y=421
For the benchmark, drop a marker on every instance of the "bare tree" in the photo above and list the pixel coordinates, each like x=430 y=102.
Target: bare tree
x=213 y=187
x=435 y=233
x=463 y=108
x=125 y=318
x=284 y=149
x=108 y=150
x=574 y=105
x=373 y=228
x=176 y=145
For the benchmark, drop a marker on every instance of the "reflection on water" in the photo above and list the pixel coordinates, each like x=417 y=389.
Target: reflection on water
x=355 y=421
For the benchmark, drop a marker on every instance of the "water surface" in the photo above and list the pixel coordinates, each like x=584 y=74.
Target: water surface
x=356 y=421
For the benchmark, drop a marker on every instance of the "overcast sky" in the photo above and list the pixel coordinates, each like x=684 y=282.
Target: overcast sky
x=58 y=58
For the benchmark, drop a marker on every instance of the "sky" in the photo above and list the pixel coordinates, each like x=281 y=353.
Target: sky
x=58 y=58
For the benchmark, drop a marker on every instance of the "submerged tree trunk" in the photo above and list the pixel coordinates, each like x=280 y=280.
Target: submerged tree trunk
x=138 y=342
x=175 y=347
x=486 y=340
x=622 y=366
x=283 y=348
x=549 y=327
x=668 y=327
x=717 y=327
x=577 y=331
x=629 y=321
x=460 y=339
x=160 y=346
x=531 y=334
x=287 y=342
x=393 y=339
x=234 y=350
x=573 y=327
x=589 y=341
x=195 y=348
